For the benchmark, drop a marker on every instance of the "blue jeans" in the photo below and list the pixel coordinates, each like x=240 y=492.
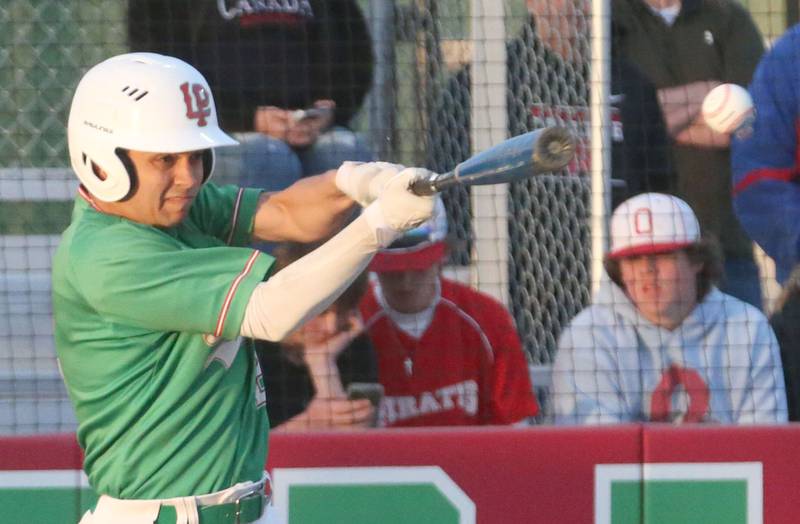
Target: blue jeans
x=272 y=165
x=742 y=280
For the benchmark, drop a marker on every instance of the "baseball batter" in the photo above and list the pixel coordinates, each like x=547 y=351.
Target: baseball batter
x=151 y=293
x=447 y=354
x=661 y=343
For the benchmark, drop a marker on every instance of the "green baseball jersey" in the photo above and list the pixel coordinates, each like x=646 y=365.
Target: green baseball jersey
x=169 y=402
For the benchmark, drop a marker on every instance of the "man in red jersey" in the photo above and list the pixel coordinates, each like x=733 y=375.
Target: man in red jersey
x=447 y=354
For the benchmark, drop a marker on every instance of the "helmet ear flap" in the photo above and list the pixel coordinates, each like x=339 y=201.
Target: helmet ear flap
x=113 y=184
x=123 y=156
x=209 y=159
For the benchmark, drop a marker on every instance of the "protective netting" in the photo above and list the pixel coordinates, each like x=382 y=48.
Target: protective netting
x=418 y=112
x=548 y=228
x=44 y=48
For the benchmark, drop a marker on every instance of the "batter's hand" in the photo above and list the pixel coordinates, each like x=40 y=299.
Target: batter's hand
x=364 y=181
x=397 y=209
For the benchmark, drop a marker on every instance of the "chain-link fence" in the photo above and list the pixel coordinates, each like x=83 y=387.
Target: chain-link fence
x=46 y=45
x=424 y=101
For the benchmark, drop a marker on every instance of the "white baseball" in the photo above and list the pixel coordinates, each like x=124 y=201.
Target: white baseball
x=727 y=107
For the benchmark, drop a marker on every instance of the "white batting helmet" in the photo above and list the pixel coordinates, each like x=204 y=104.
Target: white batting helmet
x=142 y=102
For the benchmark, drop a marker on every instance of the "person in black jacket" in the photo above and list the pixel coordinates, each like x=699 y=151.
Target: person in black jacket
x=785 y=322
x=290 y=75
x=547 y=84
x=686 y=48
x=308 y=372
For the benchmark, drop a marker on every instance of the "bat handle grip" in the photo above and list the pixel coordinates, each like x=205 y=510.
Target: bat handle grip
x=425 y=186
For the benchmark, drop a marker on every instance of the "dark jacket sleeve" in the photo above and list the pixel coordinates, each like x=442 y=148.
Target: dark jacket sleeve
x=786 y=324
x=343 y=57
x=357 y=362
x=641 y=156
x=288 y=385
x=163 y=26
x=742 y=48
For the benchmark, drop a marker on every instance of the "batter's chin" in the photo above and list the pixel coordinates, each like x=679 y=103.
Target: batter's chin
x=175 y=218
x=179 y=205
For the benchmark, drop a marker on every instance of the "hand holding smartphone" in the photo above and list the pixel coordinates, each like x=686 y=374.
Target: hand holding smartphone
x=304 y=126
x=367 y=390
x=300 y=115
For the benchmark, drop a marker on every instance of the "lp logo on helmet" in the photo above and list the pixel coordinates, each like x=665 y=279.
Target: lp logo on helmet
x=198 y=97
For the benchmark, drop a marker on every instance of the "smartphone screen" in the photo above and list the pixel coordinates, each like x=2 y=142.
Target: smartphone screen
x=369 y=390
x=311 y=112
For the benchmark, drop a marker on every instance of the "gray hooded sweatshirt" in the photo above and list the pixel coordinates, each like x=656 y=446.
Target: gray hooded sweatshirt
x=721 y=365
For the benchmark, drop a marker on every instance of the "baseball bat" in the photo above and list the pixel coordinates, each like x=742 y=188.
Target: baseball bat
x=517 y=158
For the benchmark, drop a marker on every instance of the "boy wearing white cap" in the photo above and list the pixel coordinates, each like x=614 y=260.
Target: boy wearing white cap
x=447 y=354
x=661 y=343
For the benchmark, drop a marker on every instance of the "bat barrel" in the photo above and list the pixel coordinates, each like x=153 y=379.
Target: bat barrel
x=520 y=157
x=554 y=150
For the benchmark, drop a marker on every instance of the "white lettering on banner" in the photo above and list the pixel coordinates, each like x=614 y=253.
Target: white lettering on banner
x=407 y=406
x=468 y=396
x=428 y=404
x=462 y=396
x=445 y=394
x=238 y=8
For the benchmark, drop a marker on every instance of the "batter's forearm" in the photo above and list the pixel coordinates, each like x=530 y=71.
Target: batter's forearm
x=308 y=286
x=311 y=209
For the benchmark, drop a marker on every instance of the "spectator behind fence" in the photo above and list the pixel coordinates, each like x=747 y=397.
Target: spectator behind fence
x=289 y=75
x=447 y=354
x=307 y=372
x=687 y=48
x=661 y=343
x=786 y=323
x=766 y=163
x=547 y=85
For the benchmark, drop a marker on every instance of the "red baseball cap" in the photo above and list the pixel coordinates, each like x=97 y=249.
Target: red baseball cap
x=416 y=249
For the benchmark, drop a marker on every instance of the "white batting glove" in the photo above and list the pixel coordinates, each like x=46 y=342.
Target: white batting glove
x=397 y=209
x=363 y=181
